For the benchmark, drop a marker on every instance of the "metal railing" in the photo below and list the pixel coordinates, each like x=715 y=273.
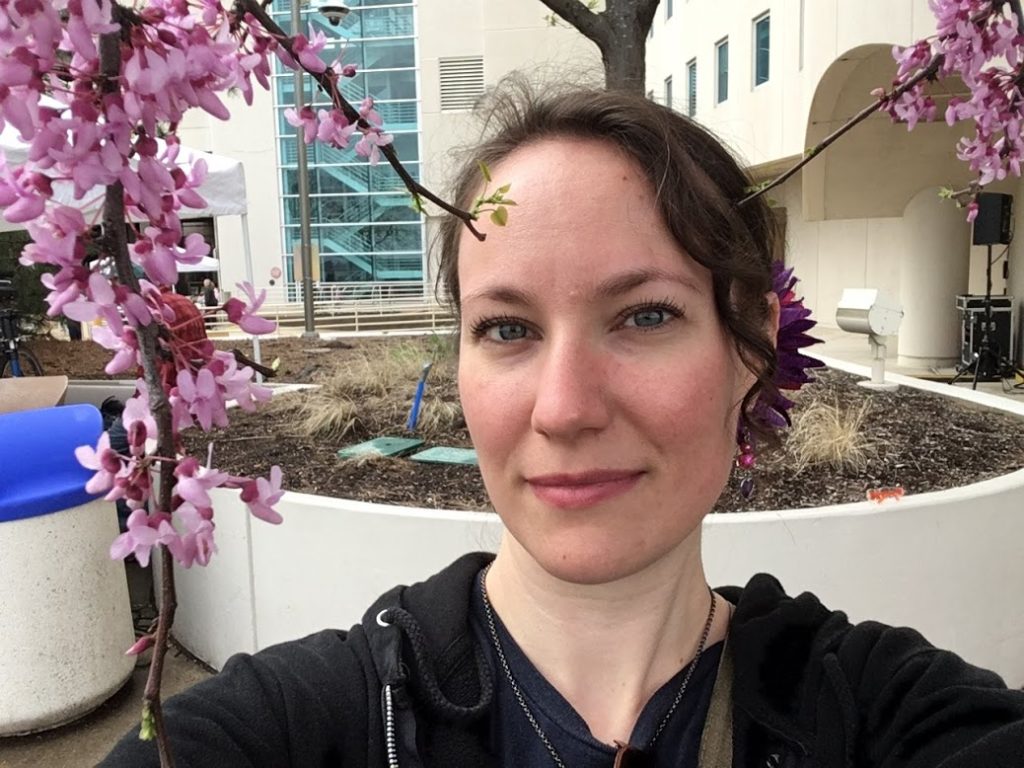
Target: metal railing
x=348 y=315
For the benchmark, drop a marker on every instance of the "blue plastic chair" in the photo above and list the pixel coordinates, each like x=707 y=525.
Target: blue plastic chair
x=39 y=473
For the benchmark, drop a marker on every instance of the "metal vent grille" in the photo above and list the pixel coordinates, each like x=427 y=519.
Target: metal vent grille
x=462 y=81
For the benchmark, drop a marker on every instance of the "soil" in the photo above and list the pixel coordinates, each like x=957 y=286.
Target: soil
x=909 y=439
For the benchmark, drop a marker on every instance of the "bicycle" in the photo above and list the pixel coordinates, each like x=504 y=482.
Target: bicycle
x=17 y=361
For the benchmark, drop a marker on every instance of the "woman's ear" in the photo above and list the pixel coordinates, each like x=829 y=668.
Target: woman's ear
x=772 y=321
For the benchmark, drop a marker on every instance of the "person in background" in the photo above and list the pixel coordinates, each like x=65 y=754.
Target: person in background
x=623 y=340
x=211 y=300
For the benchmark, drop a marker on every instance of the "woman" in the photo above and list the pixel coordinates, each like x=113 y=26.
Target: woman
x=615 y=338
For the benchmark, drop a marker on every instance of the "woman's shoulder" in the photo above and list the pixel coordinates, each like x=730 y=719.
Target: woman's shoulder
x=827 y=684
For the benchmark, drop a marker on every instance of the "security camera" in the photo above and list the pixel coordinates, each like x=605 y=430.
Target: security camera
x=335 y=12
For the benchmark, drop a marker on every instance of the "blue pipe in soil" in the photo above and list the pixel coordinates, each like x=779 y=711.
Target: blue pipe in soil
x=417 y=400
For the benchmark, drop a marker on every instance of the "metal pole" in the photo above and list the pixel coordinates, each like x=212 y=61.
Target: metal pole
x=305 y=237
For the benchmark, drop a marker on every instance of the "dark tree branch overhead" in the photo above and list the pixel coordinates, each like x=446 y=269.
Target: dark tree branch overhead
x=926 y=73
x=589 y=24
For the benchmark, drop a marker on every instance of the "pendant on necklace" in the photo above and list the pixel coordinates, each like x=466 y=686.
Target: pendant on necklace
x=631 y=757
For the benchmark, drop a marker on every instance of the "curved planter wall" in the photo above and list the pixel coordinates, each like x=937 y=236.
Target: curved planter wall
x=945 y=563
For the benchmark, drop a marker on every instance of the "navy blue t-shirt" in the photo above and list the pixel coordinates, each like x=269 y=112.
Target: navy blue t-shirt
x=517 y=743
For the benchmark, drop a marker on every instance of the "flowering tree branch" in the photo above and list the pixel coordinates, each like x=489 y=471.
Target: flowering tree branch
x=974 y=38
x=89 y=85
x=327 y=79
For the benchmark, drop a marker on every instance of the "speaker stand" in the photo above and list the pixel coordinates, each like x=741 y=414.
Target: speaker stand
x=988 y=360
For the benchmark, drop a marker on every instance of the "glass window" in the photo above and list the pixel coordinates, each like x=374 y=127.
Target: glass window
x=668 y=91
x=668 y=9
x=722 y=71
x=691 y=88
x=762 y=48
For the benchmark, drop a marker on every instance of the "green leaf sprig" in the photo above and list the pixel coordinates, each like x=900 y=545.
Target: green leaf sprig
x=495 y=203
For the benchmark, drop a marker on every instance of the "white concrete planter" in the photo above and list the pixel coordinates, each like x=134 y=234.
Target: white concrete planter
x=945 y=563
x=65 y=620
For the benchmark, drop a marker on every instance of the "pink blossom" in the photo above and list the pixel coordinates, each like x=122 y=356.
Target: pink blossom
x=236 y=382
x=261 y=494
x=368 y=113
x=334 y=128
x=103 y=459
x=244 y=316
x=141 y=645
x=307 y=51
x=125 y=348
x=205 y=401
x=196 y=544
x=144 y=532
x=195 y=481
x=369 y=146
x=138 y=419
x=306 y=119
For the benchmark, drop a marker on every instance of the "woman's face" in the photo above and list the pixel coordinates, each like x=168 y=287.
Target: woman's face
x=600 y=389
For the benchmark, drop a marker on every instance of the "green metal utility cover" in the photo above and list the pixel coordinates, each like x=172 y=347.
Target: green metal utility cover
x=381 y=446
x=442 y=455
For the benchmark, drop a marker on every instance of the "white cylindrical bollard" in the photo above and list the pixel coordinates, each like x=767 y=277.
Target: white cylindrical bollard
x=65 y=617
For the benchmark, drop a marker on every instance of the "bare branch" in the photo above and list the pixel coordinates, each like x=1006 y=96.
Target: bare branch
x=588 y=23
x=328 y=82
x=926 y=73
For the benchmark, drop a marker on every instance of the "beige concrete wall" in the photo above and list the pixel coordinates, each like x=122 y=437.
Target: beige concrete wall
x=511 y=35
x=770 y=121
x=831 y=255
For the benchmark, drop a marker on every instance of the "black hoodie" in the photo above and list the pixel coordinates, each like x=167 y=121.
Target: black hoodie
x=409 y=687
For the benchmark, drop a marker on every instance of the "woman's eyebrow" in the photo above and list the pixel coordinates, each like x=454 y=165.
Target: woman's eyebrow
x=502 y=294
x=634 y=278
x=606 y=289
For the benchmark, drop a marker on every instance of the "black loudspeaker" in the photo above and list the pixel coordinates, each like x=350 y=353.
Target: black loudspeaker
x=994 y=223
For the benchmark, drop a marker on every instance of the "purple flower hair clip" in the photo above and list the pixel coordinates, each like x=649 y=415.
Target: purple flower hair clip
x=772 y=407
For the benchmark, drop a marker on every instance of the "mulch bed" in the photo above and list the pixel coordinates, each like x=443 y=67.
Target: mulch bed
x=921 y=442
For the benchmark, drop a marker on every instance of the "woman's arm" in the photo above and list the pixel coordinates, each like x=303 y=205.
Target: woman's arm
x=920 y=707
x=300 y=703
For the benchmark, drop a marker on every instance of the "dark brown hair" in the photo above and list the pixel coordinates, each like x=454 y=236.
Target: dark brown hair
x=697 y=183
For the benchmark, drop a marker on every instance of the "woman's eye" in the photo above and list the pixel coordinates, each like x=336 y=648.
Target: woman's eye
x=503 y=331
x=508 y=332
x=647 y=318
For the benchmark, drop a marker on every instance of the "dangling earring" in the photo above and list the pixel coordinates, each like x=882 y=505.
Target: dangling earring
x=746 y=460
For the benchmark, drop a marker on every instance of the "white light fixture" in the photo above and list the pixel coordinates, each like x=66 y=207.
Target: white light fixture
x=876 y=314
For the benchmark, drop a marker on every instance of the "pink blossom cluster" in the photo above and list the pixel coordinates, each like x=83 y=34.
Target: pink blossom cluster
x=86 y=133
x=332 y=127
x=980 y=43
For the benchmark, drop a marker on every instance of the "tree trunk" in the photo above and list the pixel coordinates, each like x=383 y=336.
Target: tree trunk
x=619 y=31
x=624 y=66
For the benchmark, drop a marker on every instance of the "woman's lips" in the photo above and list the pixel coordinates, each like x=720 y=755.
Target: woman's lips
x=578 y=491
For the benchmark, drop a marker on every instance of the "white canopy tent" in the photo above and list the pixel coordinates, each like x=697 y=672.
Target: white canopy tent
x=223 y=190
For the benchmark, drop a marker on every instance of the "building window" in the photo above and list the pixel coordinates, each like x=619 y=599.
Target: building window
x=668 y=9
x=691 y=88
x=762 y=48
x=362 y=227
x=668 y=91
x=721 y=70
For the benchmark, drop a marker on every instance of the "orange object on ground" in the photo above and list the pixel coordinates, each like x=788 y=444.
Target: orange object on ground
x=879 y=495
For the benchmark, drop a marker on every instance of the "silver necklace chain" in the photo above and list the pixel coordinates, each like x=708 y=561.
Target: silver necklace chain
x=522 y=700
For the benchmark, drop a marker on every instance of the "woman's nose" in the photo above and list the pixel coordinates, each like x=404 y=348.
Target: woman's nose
x=571 y=391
